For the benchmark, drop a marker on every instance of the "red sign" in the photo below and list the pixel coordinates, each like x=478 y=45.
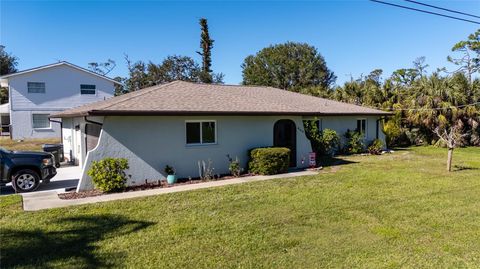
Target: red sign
x=312 y=159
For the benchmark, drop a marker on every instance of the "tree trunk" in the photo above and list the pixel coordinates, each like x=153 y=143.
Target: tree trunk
x=449 y=159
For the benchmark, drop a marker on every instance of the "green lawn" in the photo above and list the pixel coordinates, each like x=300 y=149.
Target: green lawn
x=392 y=211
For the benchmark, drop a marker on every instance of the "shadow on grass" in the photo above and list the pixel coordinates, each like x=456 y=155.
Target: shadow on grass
x=403 y=148
x=74 y=244
x=334 y=161
x=462 y=167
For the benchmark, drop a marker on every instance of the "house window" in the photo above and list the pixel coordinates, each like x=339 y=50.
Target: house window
x=200 y=132
x=87 y=89
x=362 y=126
x=36 y=87
x=40 y=121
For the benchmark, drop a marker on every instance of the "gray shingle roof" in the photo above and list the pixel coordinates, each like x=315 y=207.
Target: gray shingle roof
x=186 y=98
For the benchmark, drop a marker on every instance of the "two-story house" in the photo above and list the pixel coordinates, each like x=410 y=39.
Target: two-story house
x=36 y=93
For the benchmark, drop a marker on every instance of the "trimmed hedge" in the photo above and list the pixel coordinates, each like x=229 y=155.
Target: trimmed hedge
x=269 y=161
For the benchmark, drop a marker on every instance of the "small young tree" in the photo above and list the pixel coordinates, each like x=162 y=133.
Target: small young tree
x=451 y=137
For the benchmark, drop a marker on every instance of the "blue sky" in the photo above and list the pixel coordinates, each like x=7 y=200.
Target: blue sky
x=355 y=37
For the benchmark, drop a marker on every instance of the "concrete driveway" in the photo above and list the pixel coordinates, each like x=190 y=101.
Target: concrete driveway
x=67 y=176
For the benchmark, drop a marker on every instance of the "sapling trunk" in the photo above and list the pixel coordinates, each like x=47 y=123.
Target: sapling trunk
x=449 y=159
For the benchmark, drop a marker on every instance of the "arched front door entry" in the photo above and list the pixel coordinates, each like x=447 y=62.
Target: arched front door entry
x=285 y=135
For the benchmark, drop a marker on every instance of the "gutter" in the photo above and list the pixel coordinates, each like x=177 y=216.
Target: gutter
x=222 y=113
x=210 y=113
x=92 y=122
x=56 y=121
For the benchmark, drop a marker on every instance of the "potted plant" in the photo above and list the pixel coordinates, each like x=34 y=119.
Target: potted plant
x=171 y=178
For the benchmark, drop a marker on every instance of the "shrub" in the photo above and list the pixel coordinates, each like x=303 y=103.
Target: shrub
x=354 y=143
x=375 y=147
x=324 y=142
x=269 y=161
x=234 y=166
x=109 y=174
x=329 y=141
x=392 y=131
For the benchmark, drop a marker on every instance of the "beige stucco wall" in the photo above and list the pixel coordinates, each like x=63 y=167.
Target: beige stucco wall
x=151 y=142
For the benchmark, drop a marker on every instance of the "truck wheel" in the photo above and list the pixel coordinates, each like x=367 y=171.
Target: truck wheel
x=25 y=180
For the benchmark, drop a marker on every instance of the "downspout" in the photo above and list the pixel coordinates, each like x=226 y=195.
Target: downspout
x=10 y=128
x=61 y=127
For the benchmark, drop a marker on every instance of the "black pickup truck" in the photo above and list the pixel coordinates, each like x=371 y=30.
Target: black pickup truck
x=26 y=169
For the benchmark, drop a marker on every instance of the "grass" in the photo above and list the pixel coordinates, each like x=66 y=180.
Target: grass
x=27 y=144
x=401 y=210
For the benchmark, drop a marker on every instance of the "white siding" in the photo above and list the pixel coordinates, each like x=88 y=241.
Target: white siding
x=62 y=91
x=22 y=125
x=150 y=143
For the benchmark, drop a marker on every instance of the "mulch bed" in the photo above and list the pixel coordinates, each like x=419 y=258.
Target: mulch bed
x=78 y=195
x=146 y=186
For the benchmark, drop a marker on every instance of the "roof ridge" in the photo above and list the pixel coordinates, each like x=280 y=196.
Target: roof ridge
x=33 y=69
x=278 y=89
x=322 y=98
x=228 y=85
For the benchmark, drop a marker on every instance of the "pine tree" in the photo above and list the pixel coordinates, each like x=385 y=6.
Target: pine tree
x=206 y=44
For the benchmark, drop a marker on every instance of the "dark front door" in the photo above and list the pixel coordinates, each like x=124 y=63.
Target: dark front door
x=285 y=135
x=92 y=132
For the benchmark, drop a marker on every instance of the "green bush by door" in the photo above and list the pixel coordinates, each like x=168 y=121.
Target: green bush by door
x=269 y=161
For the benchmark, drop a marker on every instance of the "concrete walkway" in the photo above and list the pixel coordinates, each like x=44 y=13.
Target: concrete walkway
x=49 y=199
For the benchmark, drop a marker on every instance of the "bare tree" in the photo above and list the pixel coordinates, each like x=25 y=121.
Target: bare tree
x=451 y=138
x=469 y=59
x=102 y=68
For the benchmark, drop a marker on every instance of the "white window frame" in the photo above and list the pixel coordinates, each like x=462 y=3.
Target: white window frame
x=88 y=89
x=42 y=128
x=366 y=126
x=201 y=132
x=44 y=87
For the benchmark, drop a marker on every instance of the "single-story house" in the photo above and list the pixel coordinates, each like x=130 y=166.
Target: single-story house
x=181 y=123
